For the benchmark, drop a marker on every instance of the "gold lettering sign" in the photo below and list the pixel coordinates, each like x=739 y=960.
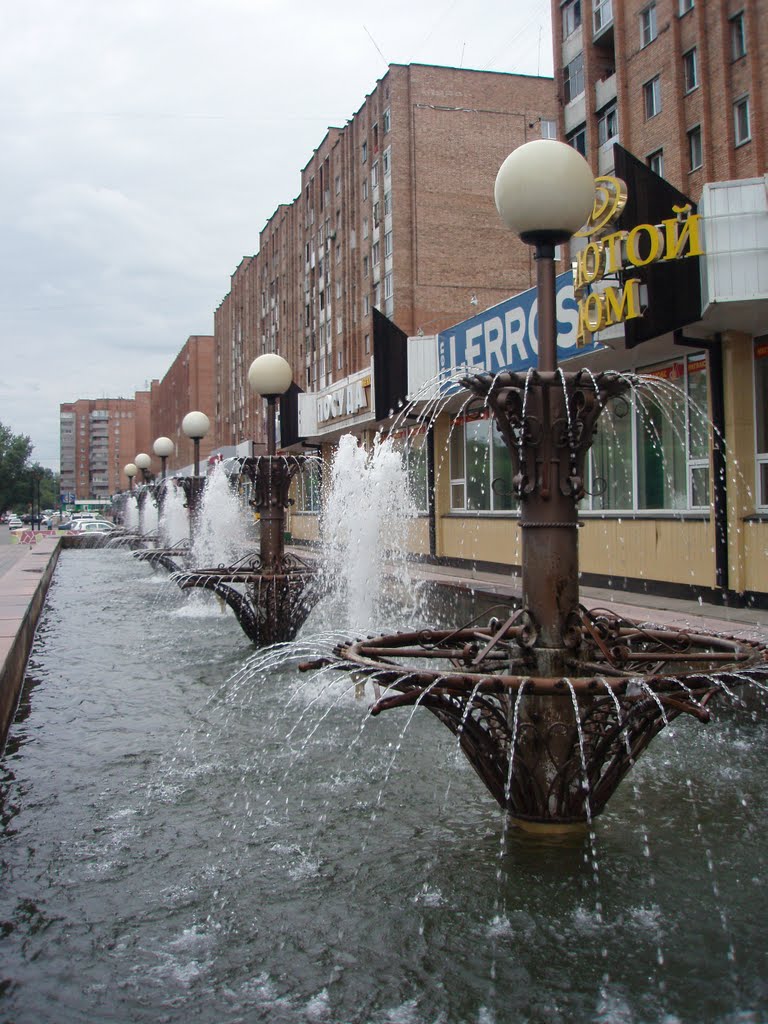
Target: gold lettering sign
x=608 y=252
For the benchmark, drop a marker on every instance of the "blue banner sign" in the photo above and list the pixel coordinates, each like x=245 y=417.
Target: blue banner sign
x=505 y=336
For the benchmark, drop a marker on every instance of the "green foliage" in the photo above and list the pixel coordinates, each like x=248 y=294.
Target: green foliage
x=17 y=473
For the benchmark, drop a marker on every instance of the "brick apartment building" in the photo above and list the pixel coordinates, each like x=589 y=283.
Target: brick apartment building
x=188 y=385
x=395 y=213
x=682 y=84
x=98 y=437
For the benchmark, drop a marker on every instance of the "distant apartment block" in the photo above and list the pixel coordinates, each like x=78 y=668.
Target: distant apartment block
x=98 y=437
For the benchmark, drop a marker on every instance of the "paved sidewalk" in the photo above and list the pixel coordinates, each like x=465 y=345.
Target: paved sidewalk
x=25 y=572
x=644 y=607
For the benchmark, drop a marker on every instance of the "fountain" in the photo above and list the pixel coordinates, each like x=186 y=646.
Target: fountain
x=190 y=830
x=552 y=706
x=271 y=591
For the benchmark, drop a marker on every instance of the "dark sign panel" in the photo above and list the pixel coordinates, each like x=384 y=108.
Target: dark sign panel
x=674 y=286
x=289 y=416
x=390 y=366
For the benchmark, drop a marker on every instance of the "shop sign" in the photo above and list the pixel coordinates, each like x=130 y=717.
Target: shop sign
x=345 y=400
x=611 y=253
x=505 y=337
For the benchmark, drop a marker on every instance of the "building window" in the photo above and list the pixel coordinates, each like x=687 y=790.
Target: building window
x=388 y=285
x=761 y=419
x=738 y=37
x=366 y=307
x=365 y=189
x=338 y=359
x=608 y=126
x=386 y=120
x=655 y=455
x=648 y=30
x=385 y=160
x=548 y=128
x=365 y=227
x=365 y=266
x=602 y=14
x=571 y=17
x=375 y=254
x=741 y=130
x=656 y=162
x=573 y=78
x=690 y=74
x=388 y=244
x=694 y=148
x=481 y=467
x=578 y=139
x=364 y=152
x=308 y=489
x=387 y=203
x=374 y=174
x=652 y=97
x=684 y=6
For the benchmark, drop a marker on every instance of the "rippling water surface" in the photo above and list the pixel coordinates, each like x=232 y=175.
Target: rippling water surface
x=194 y=833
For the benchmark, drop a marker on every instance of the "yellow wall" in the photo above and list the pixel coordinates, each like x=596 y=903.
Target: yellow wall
x=669 y=550
x=740 y=441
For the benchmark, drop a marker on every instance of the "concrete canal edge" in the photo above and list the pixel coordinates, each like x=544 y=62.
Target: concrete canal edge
x=23 y=587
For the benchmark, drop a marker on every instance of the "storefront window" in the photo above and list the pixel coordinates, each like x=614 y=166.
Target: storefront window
x=650 y=453
x=308 y=489
x=611 y=458
x=761 y=419
x=487 y=484
x=415 y=454
x=478 y=458
x=669 y=435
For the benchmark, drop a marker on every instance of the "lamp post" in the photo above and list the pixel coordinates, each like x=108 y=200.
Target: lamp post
x=270 y=376
x=130 y=470
x=163 y=447
x=195 y=425
x=142 y=462
x=545 y=192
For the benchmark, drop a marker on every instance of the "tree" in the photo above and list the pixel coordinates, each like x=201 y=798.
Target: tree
x=15 y=450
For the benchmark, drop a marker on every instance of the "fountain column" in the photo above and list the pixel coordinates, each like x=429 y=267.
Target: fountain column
x=545 y=193
x=195 y=425
x=270 y=376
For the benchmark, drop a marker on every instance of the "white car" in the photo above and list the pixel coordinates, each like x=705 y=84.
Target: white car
x=92 y=526
x=14 y=523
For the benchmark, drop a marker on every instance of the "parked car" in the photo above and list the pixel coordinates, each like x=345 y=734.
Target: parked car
x=92 y=526
x=14 y=523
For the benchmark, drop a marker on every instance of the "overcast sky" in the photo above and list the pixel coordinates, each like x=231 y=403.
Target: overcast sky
x=145 y=144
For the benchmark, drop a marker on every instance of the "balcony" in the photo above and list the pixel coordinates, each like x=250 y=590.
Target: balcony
x=602 y=20
x=605 y=91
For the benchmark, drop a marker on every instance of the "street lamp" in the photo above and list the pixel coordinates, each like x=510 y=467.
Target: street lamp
x=270 y=375
x=545 y=192
x=163 y=447
x=130 y=470
x=143 y=461
x=195 y=425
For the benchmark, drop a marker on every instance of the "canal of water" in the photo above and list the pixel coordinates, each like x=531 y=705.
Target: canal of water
x=191 y=833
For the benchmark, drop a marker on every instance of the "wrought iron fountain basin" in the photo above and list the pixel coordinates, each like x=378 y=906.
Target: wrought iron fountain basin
x=552 y=750
x=553 y=706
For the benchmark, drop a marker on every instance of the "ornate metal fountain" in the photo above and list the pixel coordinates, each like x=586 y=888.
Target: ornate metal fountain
x=270 y=591
x=552 y=706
